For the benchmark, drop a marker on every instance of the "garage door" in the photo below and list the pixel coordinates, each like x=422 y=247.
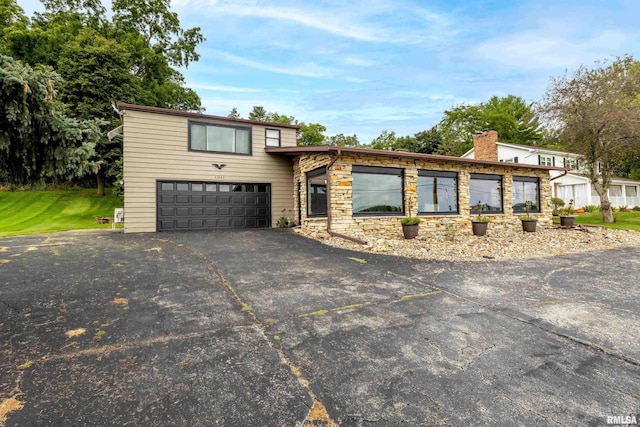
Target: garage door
x=212 y=205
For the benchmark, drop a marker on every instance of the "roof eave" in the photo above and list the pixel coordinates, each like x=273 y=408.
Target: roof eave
x=157 y=110
x=295 y=151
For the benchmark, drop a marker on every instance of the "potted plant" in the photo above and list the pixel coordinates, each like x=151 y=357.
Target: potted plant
x=528 y=223
x=479 y=223
x=567 y=216
x=410 y=225
x=557 y=204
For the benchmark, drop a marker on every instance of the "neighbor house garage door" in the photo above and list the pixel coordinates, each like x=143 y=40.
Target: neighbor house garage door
x=212 y=205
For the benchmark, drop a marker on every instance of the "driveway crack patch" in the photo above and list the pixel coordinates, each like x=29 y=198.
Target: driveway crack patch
x=318 y=415
x=547 y=329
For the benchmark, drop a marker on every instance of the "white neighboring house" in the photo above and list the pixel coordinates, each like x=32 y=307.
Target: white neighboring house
x=565 y=185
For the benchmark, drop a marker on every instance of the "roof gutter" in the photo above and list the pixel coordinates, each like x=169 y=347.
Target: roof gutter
x=329 y=215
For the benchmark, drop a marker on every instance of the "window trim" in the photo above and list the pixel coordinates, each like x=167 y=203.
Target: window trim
x=322 y=170
x=487 y=177
x=266 y=138
x=552 y=160
x=526 y=179
x=378 y=170
x=441 y=174
x=206 y=124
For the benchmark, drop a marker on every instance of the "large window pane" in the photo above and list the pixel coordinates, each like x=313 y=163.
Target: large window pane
x=220 y=139
x=198 y=137
x=377 y=190
x=317 y=192
x=525 y=188
x=486 y=189
x=242 y=141
x=437 y=192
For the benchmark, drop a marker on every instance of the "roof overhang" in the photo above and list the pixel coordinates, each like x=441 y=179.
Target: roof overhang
x=296 y=151
x=189 y=114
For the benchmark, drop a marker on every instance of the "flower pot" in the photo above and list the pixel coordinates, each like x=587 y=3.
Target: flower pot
x=410 y=231
x=529 y=225
x=567 y=221
x=479 y=228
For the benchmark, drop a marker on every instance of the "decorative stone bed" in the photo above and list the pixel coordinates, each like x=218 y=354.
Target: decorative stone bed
x=500 y=243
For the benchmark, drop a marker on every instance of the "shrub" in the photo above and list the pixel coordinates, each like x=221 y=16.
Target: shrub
x=591 y=208
x=284 y=222
x=635 y=208
x=557 y=204
x=410 y=220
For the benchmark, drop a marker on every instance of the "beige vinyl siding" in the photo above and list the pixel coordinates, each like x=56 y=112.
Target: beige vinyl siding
x=156 y=148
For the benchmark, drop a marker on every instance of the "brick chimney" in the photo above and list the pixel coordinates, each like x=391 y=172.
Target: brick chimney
x=484 y=144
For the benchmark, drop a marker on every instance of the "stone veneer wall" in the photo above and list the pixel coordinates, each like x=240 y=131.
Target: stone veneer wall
x=341 y=206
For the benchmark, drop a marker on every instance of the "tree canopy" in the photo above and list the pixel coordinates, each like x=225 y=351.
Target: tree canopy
x=131 y=57
x=38 y=142
x=511 y=116
x=596 y=111
x=426 y=141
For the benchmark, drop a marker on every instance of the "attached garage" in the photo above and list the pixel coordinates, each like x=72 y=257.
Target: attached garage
x=212 y=205
x=191 y=171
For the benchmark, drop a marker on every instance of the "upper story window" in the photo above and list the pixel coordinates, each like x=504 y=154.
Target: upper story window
x=526 y=188
x=570 y=163
x=377 y=191
x=272 y=137
x=511 y=160
x=486 y=189
x=219 y=138
x=546 y=160
x=437 y=192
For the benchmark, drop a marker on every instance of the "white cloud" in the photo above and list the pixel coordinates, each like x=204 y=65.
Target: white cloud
x=359 y=20
x=543 y=51
x=359 y=62
x=313 y=19
x=304 y=70
x=231 y=89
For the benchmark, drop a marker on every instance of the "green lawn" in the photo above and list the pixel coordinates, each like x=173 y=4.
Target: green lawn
x=629 y=220
x=30 y=212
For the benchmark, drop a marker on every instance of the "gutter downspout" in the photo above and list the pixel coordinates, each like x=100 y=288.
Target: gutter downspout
x=559 y=176
x=329 y=215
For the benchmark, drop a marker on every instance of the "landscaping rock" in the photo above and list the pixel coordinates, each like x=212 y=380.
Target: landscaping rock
x=499 y=244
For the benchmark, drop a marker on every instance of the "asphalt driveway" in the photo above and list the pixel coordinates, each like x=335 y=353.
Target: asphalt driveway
x=268 y=328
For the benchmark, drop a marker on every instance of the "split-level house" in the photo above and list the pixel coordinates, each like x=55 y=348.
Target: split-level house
x=190 y=171
x=567 y=185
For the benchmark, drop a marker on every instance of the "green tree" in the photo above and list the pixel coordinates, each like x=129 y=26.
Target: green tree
x=311 y=134
x=511 y=116
x=422 y=142
x=131 y=58
x=160 y=29
x=596 y=111
x=428 y=141
x=11 y=13
x=90 y=89
x=234 y=113
x=38 y=143
x=342 y=140
x=258 y=113
x=385 y=141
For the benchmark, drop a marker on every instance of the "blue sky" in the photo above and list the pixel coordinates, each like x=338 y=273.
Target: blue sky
x=364 y=66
